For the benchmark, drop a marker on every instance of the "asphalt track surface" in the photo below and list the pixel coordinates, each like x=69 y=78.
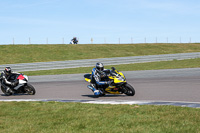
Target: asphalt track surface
x=166 y=87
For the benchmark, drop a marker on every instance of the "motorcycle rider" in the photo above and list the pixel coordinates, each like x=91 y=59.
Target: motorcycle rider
x=5 y=75
x=74 y=40
x=96 y=79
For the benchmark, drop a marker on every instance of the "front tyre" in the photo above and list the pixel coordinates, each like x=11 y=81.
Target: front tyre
x=29 y=89
x=130 y=91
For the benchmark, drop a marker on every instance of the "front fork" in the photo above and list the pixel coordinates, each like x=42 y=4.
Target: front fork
x=123 y=89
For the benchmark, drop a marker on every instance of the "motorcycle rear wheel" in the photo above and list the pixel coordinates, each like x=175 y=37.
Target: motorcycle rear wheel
x=4 y=91
x=130 y=91
x=29 y=89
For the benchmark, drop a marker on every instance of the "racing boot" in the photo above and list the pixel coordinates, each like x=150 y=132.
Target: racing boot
x=9 y=90
x=96 y=92
x=102 y=92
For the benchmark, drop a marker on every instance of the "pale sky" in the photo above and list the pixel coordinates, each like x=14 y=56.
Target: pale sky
x=103 y=20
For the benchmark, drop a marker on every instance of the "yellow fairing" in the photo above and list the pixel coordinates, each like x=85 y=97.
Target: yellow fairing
x=112 y=92
x=88 y=80
x=116 y=80
x=121 y=74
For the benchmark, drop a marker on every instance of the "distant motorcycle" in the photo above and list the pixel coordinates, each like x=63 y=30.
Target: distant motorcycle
x=118 y=86
x=74 y=41
x=23 y=87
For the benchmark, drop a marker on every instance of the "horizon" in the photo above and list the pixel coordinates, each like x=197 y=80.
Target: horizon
x=103 y=22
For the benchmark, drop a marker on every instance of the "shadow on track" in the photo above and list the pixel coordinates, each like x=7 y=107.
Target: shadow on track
x=93 y=96
x=14 y=95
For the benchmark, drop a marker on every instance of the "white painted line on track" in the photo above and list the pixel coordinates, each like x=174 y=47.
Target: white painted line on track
x=113 y=102
x=20 y=100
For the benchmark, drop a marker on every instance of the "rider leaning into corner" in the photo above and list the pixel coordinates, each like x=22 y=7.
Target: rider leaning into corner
x=4 y=78
x=96 y=79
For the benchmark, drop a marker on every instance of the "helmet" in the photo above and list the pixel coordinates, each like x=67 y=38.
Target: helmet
x=100 y=66
x=7 y=70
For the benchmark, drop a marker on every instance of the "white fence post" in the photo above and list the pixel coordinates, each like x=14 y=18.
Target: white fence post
x=63 y=40
x=131 y=40
x=29 y=40
x=91 y=40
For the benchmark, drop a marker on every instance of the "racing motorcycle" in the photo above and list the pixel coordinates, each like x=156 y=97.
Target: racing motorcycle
x=118 y=84
x=22 y=87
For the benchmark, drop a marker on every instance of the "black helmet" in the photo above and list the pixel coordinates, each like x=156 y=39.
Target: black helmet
x=7 y=70
x=99 y=66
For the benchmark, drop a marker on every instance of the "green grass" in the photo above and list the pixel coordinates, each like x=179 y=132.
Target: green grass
x=12 y=54
x=189 y=63
x=57 y=117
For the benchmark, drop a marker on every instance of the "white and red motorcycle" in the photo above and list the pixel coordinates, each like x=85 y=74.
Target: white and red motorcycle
x=22 y=86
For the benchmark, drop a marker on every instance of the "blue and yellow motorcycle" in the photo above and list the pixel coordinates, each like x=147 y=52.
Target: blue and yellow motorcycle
x=119 y=84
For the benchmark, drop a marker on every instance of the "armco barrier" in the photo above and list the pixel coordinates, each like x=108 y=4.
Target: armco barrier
x=91 y=62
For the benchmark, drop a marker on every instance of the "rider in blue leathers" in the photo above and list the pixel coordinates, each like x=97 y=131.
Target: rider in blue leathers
x=96 y=79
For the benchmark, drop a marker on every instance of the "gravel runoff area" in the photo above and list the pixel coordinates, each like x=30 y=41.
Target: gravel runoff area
x=92 y=62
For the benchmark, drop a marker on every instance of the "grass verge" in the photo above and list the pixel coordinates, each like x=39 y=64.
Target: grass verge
x=12 y=54
x=57 y=117
x=189 y=63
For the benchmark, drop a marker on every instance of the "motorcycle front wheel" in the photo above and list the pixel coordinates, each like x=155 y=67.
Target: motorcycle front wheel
x=29 y=89
x=130 y=91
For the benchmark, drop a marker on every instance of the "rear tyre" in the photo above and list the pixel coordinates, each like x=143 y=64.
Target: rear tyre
x=29 y=89
x=130 y=91
x=4 y=91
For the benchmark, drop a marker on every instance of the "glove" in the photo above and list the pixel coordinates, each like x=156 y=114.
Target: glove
x=13 y=84
x=110 y=82
x=103 y=75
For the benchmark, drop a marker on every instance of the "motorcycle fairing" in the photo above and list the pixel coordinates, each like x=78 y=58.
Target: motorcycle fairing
x=110 y=90
x=21 y=77
x=88 y=77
